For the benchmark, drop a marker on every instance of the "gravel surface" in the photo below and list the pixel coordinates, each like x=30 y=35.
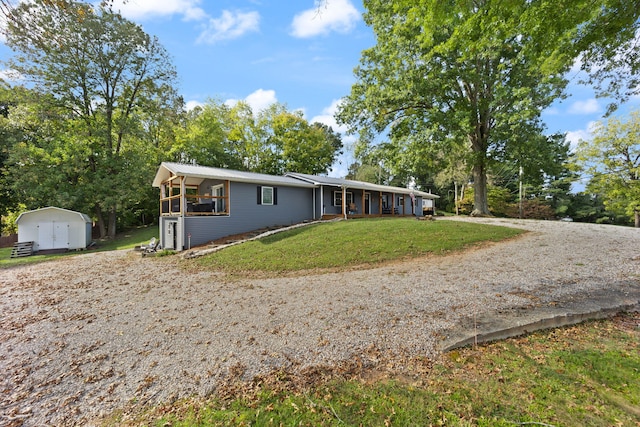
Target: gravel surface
x=86 y=335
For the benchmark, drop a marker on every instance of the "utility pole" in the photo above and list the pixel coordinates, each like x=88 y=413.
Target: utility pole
x=520 y=195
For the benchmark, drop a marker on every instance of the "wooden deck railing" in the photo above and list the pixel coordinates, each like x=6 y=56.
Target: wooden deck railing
x=194 y=205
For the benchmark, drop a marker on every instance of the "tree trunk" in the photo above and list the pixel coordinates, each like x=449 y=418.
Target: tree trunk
x=637 y=218
x=100 y=220
x=479 y=142
x=480 y=204
x=112 y=222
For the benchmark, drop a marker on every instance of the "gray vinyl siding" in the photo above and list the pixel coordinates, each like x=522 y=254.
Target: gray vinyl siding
x=419 y=206
x=329 y=208
x=375 y=203
x=294 y=205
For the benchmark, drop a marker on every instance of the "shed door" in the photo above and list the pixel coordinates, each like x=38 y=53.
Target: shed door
x=53 y=235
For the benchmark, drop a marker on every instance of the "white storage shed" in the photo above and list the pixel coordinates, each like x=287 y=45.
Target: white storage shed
x=54 y=228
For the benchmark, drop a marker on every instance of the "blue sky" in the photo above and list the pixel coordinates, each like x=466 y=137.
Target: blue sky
x=292 y=52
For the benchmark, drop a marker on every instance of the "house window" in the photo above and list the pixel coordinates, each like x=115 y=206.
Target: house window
x=337 y=198
x=267 y=195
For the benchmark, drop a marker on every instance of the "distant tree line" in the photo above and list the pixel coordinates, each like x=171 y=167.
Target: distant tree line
x=453 y=92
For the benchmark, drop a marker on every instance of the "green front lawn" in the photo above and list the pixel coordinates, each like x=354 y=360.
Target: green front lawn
x=347 y=244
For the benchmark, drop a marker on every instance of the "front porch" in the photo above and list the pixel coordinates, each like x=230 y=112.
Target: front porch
x=390 y=214
x=184 y=196
x=348 y=202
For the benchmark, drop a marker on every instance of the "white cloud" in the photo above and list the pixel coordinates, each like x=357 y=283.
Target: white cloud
x=333 y=15
x=190 y=105
x=574 y=137
x=261 y=99
x=328 y=117
x=589 y=106
x=340 y=167
x=10 y=75
x=149 y=9
x=258 y=100
x=230 y=25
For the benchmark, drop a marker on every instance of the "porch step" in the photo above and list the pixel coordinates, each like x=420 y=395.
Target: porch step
x=22 y=249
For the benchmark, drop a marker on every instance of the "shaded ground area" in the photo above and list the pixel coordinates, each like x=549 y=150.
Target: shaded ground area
x=86 y=335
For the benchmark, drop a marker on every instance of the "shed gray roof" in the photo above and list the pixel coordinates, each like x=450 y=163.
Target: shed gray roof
x=359 y=185
x=84 y=217
x=199 y=173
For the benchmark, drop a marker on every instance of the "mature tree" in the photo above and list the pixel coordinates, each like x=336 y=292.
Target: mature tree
x=9 y=136
x=294 y=145
x=612 y=160
x=104 y=73
x=473 y=74
x=371 y=164
x=204 y=138
x=273 y=141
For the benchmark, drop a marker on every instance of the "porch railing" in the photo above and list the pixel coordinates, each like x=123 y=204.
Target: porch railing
x=194 y=205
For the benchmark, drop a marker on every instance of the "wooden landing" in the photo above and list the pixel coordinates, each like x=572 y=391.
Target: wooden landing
x=22 y=249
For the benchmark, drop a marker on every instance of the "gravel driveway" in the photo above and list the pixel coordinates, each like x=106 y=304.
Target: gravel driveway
x=89 y=334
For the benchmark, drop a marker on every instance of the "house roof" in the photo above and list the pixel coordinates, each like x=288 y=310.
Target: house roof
x=84 y=217
x=359 y=185
x=196 y=174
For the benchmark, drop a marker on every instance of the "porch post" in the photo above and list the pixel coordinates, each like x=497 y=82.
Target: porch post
x=183 y=193
x=344 y=201
x=321 y=201
x=393 y=203
x=163 y=192
x=413 y=204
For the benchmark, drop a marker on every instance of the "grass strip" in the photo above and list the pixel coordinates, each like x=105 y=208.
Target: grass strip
x=125 y=240
x=581 y=375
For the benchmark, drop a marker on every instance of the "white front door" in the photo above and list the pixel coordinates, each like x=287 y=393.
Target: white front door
x=170 y=237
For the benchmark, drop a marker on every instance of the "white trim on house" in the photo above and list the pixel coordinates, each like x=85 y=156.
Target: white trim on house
x=337 y=194
x=267 y=196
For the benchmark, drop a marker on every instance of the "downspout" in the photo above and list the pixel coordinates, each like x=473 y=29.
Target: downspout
x=322 y=201
x=313 y=192
x=183 y=208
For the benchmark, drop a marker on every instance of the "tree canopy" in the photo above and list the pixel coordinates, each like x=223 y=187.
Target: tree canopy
x=612 y=161
x=274 y=140
x=473 y=77
x=103 y=83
